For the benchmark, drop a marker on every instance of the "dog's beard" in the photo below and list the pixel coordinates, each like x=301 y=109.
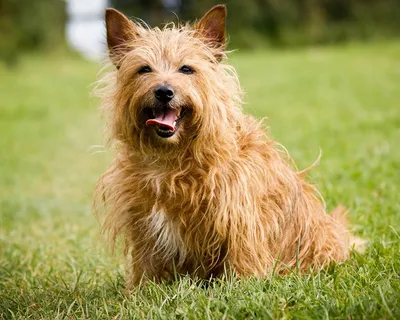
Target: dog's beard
x=162 y=130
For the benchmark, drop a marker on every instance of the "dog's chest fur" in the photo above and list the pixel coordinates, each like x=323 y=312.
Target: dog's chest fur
x=169 y=244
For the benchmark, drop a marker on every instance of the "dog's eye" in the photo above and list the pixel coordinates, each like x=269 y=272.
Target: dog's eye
x=144 y=69
x=186 y=70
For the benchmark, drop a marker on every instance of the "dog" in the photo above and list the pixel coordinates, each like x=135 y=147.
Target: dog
x=196 y=186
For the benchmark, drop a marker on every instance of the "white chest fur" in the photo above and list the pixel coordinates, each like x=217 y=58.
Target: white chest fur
x=169 y=244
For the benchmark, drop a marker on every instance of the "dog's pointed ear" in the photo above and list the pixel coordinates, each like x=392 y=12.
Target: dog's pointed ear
x=212 y=27
x=119 y=31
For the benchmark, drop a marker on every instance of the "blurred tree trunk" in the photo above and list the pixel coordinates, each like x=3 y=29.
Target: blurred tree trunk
x=30 y=25
x=268 y=20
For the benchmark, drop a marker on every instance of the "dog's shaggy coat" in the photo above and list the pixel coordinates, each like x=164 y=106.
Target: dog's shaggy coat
x=218 y=194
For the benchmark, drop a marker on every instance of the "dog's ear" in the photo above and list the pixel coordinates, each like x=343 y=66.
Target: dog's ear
x=212 y=27
x=119 y=31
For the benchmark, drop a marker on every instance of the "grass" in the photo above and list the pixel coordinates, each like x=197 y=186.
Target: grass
x=53 y=265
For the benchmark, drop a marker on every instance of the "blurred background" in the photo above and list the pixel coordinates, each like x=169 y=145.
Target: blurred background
x=49 y=24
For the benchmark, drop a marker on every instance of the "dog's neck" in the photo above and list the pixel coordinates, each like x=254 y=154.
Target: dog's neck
x=200 y=154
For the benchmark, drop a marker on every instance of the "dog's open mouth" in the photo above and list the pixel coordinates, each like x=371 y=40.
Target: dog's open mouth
x=165 y=121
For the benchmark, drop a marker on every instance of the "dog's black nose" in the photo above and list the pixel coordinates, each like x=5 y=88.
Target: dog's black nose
x=164 y=93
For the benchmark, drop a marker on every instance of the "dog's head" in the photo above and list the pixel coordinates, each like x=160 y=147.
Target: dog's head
x=170 y=87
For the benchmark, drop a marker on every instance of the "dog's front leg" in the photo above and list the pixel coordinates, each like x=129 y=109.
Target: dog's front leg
x=144 y=265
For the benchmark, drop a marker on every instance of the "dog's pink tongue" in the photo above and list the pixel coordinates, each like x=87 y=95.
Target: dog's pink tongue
x=165 y=118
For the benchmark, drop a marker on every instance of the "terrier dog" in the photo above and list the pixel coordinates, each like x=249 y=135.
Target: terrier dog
x=196 y=186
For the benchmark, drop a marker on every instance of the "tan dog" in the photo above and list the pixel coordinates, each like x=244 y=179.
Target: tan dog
x=196 y=186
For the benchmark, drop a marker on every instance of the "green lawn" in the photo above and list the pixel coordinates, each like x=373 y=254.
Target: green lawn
x=53 y=264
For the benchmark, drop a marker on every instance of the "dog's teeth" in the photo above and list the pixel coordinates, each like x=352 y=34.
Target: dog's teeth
x=163 y=130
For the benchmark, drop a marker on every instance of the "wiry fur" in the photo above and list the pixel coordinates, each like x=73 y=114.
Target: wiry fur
x=219 y=193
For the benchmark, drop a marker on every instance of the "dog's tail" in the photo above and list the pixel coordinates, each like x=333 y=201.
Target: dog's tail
x=355 y=243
